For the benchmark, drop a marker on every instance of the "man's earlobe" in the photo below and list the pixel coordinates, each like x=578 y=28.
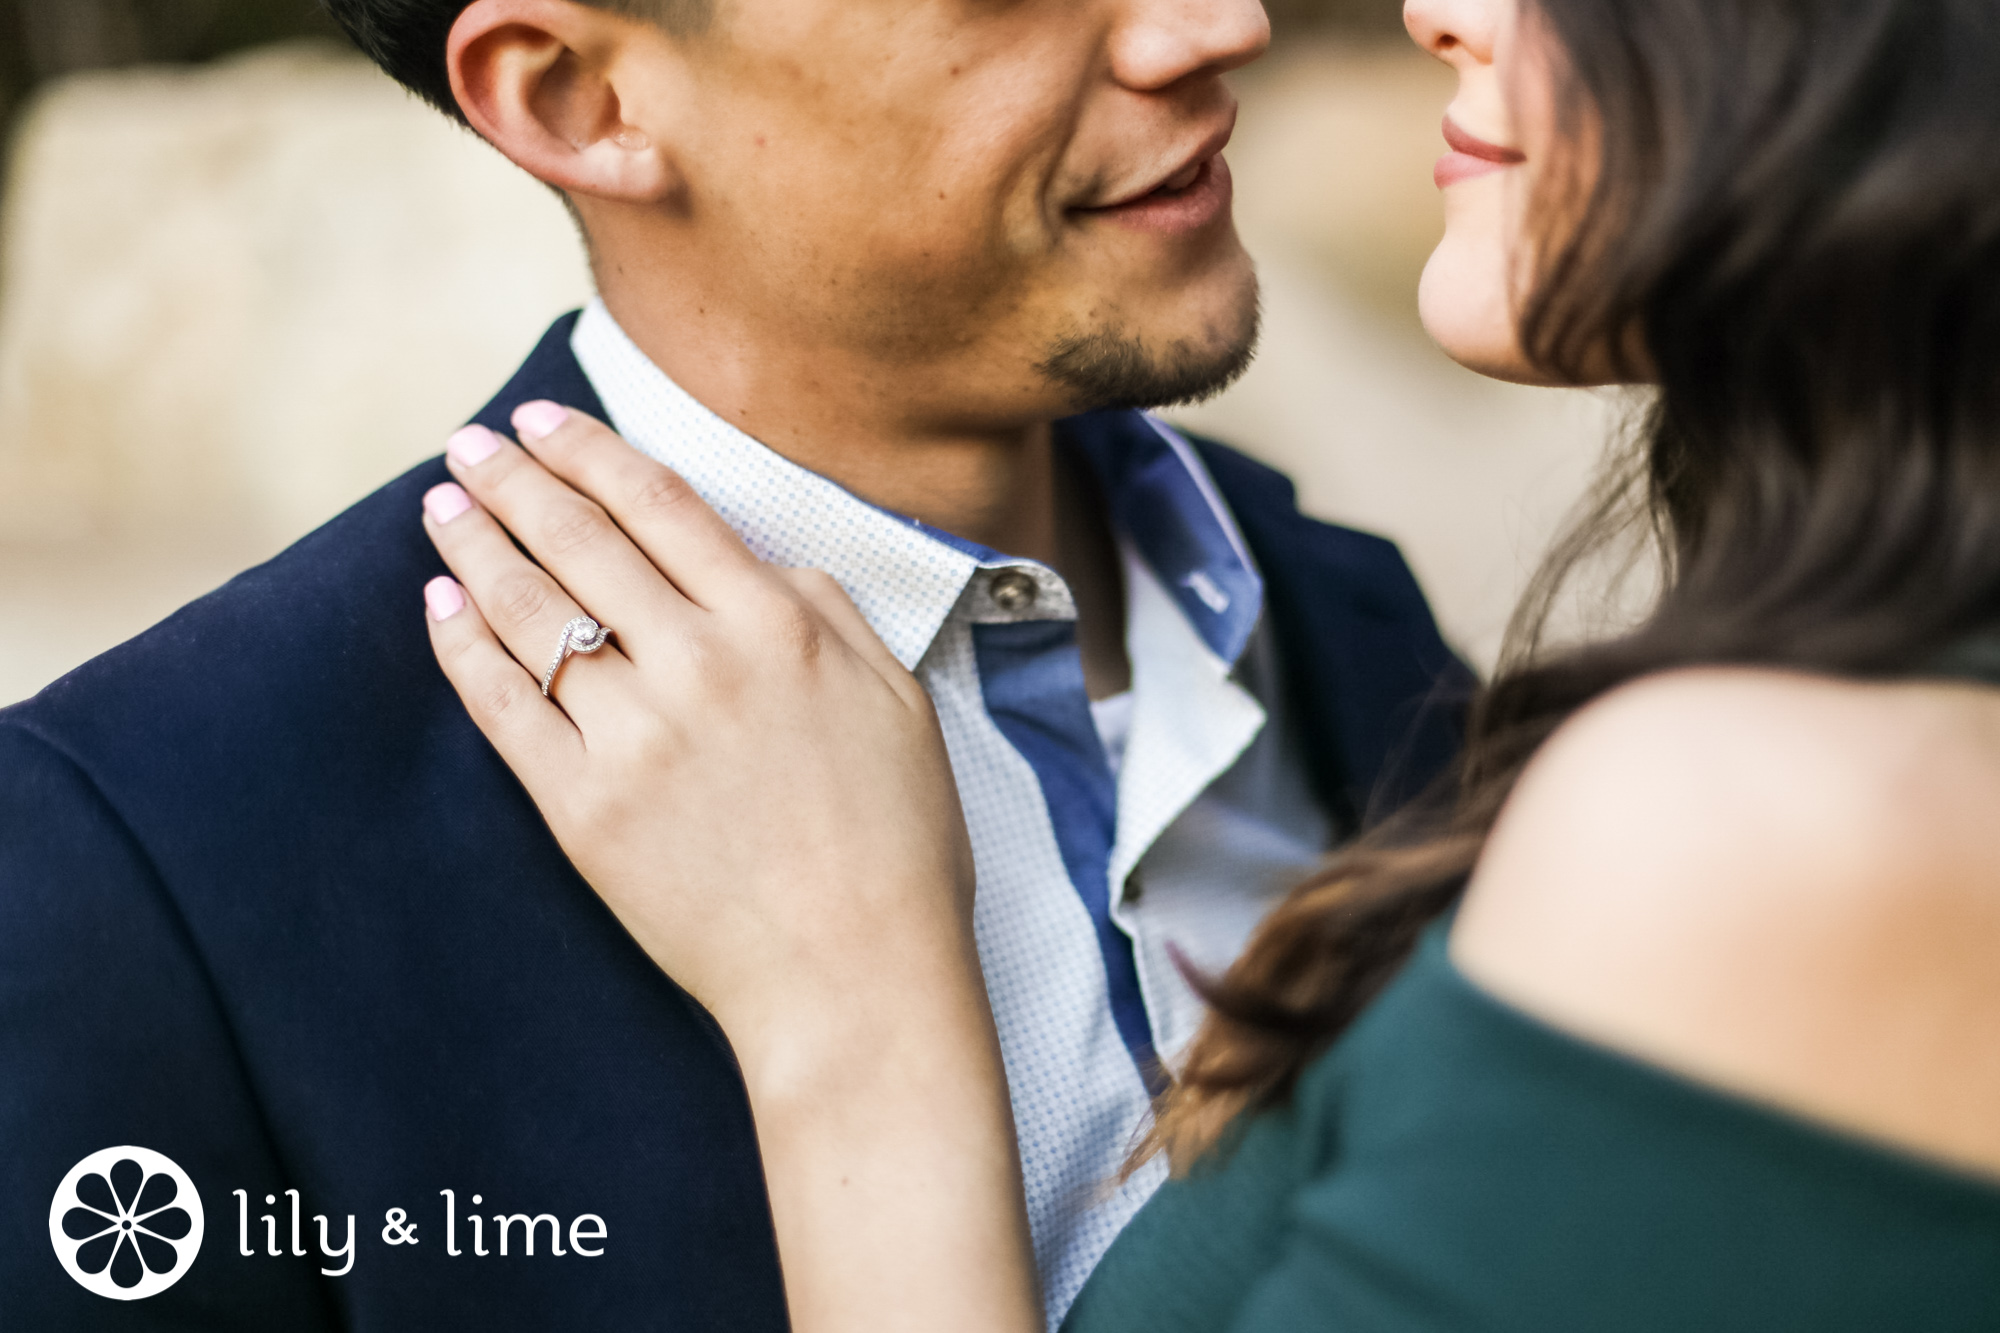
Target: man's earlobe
x=535 y=79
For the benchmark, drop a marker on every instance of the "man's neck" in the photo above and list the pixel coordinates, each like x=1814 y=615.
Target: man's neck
x=858 y=422
x=854 y=423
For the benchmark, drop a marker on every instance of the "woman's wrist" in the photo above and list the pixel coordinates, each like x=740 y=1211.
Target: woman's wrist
x=830 y=1036
x=886 y=1131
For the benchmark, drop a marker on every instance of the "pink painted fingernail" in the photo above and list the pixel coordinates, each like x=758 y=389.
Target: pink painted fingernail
x=443 y=598
x=445 y=503
x=473 y=446
x=537 y=421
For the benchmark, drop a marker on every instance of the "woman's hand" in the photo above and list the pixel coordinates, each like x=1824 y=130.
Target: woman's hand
x=760 y=792
x=753 y=783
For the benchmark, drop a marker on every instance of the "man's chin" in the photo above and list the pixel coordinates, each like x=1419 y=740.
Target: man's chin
x=1112 y=367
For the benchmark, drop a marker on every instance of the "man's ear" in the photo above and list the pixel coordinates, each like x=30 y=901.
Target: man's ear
x=536 y=79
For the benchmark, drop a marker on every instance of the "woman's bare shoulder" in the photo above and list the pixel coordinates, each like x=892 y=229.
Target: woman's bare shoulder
x=1784 y=885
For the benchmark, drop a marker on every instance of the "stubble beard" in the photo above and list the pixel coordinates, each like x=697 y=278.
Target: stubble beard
x=1111 y=368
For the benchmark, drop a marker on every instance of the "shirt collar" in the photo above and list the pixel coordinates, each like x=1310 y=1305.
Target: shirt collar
x=906 y=577
x=1163 y=500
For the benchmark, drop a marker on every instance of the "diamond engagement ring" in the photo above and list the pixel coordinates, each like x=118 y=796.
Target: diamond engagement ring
x=582 y=635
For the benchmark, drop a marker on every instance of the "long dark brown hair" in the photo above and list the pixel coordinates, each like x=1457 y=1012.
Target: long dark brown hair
x=1792 y=228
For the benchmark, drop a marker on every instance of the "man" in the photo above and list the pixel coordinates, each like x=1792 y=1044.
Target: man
x=270 y=907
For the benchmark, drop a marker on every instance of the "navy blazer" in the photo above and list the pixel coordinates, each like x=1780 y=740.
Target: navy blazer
x=271 y=906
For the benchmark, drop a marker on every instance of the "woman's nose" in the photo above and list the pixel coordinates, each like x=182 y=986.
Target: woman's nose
x=1453 y=30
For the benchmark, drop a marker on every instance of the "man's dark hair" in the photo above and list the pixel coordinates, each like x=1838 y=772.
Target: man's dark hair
x=408 y=37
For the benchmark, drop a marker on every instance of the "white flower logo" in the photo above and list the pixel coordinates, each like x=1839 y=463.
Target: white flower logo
x=126 y=1223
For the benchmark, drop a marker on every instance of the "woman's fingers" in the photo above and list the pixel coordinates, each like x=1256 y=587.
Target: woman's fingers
x=505 y=701
x=686 y=560
x=824 y=593
x=658 y=510
x=569 y=534
x=523 y=605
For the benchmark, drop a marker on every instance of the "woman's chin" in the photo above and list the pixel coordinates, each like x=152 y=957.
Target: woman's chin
x=1463 y=303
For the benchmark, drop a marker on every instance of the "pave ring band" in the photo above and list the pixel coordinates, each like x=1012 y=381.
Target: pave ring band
x=582 y=635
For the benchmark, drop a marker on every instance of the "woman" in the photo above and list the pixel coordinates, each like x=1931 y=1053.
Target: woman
x=1676 y=1010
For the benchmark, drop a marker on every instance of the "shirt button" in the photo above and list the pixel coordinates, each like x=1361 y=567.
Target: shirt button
x=1135 y=889
x=1013 y=590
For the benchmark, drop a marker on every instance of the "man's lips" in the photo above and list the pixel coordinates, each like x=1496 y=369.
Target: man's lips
x=1471 y=156
x=1192 y=206
x=1190 y=197
x=1181 y=176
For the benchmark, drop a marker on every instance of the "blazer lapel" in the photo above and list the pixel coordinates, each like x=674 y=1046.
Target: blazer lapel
x=1378 y=694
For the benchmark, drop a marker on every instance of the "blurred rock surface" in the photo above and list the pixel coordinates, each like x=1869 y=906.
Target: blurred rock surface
x=235 y=299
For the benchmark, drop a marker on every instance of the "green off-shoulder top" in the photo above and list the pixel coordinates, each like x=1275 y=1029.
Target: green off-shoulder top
x=1454 y=1164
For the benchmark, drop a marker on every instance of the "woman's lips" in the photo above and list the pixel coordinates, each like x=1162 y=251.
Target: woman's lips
x=1177 y=208
x=1471 y=156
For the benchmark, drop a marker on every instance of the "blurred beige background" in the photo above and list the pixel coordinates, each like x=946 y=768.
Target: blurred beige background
x=236 y=297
